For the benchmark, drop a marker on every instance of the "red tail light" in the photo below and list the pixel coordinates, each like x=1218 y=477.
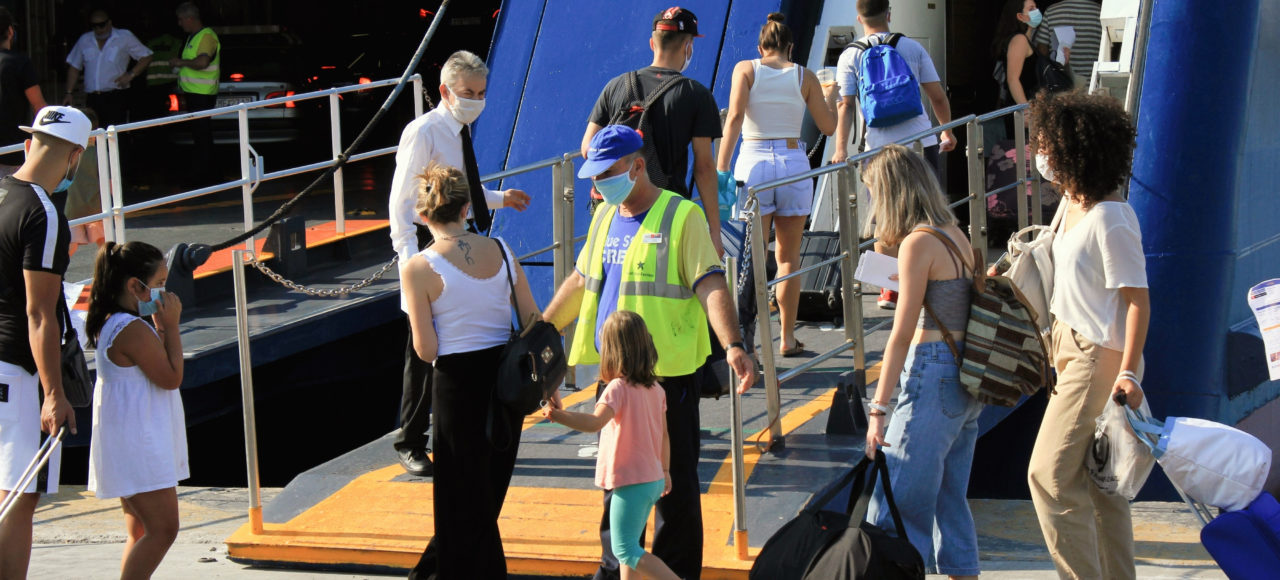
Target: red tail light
x=237 y=77
x=173 y=103
x=364 y=80
x=278 y=94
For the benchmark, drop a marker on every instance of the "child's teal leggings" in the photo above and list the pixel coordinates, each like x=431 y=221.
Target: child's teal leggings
x=628 y=511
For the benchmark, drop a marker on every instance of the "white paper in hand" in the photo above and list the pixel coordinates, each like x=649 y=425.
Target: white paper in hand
x=876 y=268
x=1064 y=37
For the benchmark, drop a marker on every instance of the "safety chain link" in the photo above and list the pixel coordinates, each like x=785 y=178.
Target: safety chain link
x=321 y=292
x=751 y=205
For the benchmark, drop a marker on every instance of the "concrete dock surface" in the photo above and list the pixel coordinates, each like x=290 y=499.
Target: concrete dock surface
x=80 y=536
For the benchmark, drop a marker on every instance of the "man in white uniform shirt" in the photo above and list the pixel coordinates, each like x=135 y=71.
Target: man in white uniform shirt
x=443 y=136
x=103 y=54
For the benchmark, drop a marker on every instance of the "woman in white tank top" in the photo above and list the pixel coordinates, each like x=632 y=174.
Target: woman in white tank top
x=458 y=292
x=767 y=103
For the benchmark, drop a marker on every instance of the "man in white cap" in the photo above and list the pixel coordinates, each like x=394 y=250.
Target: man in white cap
x=34 y=238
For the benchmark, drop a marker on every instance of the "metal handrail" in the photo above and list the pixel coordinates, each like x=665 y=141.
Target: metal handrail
x=1001 y=112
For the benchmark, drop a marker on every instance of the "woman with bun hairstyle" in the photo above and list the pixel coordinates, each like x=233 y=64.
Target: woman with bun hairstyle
x=1101 y=308
x=458 y=292
x=139 y=448
x=767 y=102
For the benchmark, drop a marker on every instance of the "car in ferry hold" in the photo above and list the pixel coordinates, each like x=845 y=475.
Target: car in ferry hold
x=257 y=63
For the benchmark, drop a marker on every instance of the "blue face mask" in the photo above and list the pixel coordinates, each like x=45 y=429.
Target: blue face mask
x=67 y=179
x=616 y=189
x=149 y=308
x=1036 y=18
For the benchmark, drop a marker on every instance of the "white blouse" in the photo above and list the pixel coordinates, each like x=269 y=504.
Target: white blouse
x=1092 y=261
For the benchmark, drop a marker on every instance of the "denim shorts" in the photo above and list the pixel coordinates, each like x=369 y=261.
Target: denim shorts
x=930 y=440
x=765 y=160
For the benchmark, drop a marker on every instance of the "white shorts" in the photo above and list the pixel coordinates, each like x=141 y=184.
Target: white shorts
x=20 y=435
x=760 y=161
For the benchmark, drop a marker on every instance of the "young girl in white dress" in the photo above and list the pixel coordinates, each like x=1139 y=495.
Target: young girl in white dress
x=139 y=447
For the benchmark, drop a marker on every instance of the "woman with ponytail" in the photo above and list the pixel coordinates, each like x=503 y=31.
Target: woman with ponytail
x=458 y=293
x=139 y=447
x=767 y=102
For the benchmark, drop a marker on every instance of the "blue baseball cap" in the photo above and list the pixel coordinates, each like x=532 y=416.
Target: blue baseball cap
x=608 y=146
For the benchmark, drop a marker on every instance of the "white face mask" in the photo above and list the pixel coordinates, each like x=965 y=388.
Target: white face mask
x=1042 y=165
x=466 y=110
x=687 y=59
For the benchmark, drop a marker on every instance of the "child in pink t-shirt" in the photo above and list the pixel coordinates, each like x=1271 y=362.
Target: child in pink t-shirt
x=634 y=449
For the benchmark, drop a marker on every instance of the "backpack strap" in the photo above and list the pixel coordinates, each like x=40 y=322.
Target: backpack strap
x=661 y=90
x=893 y=39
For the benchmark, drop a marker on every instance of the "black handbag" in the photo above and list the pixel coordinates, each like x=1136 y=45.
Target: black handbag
x=533 y=363
x=77 y=383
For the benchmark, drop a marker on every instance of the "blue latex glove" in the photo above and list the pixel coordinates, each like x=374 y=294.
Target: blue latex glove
x=728 y=194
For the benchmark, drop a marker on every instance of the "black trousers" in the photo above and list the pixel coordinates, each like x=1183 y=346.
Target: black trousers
x=471 y=476
x=202 y=135
x=677 y=536
x=110 y=106
x=415 y=393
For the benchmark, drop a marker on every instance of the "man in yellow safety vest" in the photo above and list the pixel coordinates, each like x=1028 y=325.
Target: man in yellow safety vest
x=649 y=251
x=198 y=75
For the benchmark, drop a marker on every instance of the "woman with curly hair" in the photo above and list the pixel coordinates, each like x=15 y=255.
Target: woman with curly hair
x=1101 y=309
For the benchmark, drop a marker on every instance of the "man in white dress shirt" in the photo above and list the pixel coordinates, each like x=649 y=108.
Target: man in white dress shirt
x=103 y=54
x=443 y=135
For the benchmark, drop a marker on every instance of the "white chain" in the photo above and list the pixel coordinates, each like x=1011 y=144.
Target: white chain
x=322 y=292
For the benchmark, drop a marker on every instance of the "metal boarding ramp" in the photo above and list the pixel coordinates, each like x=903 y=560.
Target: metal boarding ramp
x=250 y=543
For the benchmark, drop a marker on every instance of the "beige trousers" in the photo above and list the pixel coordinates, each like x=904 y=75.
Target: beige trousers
x=1089 y=533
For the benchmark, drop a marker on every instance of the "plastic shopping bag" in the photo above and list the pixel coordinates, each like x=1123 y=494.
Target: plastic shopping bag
x=1119 y=462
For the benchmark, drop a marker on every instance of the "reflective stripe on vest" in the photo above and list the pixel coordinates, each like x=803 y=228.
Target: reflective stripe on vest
x=200 y=81
x=671 y=309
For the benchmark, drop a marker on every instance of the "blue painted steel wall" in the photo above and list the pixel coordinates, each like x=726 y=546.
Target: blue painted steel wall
x=549 y=61
x=1186 y=187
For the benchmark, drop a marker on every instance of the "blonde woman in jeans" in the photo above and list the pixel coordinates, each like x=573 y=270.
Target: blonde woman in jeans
x=1100 y=302
x=928 y=439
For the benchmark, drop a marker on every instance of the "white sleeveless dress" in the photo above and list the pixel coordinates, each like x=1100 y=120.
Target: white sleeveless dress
x=139 y=430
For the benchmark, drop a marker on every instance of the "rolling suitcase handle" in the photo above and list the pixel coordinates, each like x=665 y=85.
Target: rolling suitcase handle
x=33 y=468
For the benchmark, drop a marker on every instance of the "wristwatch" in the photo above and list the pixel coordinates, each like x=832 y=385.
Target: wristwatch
x=737 y=344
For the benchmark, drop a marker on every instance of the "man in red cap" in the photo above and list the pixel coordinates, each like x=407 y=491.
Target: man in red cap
x=684 y=113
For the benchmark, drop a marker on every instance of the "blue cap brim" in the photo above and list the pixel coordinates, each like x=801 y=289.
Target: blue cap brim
x=594 y=167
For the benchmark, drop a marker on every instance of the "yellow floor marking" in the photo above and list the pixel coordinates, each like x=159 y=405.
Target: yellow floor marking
x=374 y=520
x=717 y=503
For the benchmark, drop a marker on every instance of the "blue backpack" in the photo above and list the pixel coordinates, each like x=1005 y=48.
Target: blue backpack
x=887 y=89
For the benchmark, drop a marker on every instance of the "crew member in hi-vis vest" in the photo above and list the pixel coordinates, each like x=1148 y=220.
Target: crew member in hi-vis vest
x=649 y=251
x=198 y=77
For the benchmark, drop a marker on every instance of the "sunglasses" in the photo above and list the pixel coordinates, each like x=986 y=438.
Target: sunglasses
x=102 y=24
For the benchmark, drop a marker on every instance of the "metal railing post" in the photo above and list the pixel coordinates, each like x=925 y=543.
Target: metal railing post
x=1037 y=209
x=117 y=186
x=773 y=398
x=564 y=238
x=849 y=220
x=104 y=188
x=339 y=197
x=737 y=439
x=918 y=147
x=246 y=389
x=417 y=96
x=246 y=174
x=1020 y=163
x=977 y=190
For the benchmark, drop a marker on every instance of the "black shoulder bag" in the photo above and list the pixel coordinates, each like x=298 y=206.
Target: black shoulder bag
x=532 y=366
x=77 y=383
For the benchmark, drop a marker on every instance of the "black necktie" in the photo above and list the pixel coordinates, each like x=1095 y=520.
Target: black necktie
x=479 y=206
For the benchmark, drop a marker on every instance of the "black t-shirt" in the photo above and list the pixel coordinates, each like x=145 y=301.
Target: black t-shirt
x=17 y=74
x=685 y=111
x=34 y=235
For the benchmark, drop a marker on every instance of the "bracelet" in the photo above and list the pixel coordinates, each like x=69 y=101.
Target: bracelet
x=877 y=414
x=874 y=406
x=1131 y=377
x=737 y=344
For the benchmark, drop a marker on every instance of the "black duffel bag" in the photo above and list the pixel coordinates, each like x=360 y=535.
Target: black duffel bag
x=788 y=553
x=867 y=551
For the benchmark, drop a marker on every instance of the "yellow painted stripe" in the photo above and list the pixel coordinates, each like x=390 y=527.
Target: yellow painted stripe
x=717 y=504
x=374 y=520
